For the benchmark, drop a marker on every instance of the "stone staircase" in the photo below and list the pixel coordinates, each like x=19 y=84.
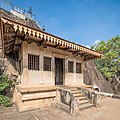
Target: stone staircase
x=84 y=103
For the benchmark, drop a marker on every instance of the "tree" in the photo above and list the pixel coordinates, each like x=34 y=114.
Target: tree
x=109 y=64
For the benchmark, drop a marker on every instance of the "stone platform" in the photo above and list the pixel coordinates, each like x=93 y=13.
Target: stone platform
x=34 y=97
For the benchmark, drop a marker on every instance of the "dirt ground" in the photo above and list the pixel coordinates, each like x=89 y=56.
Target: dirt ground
x=110 y=110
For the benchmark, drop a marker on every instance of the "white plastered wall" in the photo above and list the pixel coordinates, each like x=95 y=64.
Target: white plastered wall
x=42 y=77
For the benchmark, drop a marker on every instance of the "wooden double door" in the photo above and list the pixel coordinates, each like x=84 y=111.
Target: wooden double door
x=59 y=68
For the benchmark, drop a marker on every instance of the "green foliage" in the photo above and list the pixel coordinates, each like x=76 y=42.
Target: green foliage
x=4 y=100
x=109 y=64
x=5 y=83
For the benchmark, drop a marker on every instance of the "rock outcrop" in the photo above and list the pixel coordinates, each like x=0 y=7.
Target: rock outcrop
x=115 y=83
x=94 y=77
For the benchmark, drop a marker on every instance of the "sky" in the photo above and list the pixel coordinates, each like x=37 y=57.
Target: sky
x=82 y=21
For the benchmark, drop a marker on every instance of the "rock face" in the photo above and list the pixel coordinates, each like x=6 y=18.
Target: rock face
x=115 y=83
x=94 y=77
x=28 y=22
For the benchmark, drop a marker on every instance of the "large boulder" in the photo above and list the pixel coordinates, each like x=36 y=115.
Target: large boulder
x=115 y=83
x=94 y=77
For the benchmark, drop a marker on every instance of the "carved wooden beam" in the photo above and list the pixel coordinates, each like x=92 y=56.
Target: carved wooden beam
x=39 y=35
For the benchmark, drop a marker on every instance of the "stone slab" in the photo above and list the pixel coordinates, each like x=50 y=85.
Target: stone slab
x=109 y=111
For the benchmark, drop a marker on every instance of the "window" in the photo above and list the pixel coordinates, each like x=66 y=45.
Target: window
x=33 y=62
x=47 y=64
x=78 y=67
x=70 y=66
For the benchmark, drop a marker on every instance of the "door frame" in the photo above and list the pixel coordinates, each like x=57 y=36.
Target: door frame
x=63 y=60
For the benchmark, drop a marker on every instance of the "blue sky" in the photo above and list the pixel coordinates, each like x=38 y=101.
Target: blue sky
x=80 y=21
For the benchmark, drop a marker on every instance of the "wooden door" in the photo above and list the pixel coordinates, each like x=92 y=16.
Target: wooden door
x=58 y=71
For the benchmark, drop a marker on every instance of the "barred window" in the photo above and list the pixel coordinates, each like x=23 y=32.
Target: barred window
x=70 y=66
x=33 y=62
x=47 y=64
x=78 y=67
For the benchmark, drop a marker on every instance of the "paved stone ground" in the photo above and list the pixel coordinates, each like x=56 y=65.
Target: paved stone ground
x=110 y=110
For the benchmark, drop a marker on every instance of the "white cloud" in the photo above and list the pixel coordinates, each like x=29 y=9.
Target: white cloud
x=96 y=42
x=87 y=46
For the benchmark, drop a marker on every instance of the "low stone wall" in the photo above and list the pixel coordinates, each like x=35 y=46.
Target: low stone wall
x=65 y=96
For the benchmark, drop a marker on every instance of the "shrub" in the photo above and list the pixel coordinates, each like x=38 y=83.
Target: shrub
x=4 y=100
x=5 y=83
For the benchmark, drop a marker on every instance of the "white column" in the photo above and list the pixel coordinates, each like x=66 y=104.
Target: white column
x=74 y=68
x=53 y=69
x=25 y=77
x=66 y=70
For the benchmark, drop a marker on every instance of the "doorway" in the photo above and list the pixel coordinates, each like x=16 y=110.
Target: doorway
x=58 y=71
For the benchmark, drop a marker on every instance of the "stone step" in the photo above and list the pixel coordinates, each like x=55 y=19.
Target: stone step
x=40 y=95
x=76 y=92
x=85 y=106
x=83 y=101
x=81 y=98
x=74 y=89
x=78 y=95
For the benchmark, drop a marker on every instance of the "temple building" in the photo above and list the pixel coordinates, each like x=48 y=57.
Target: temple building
x=40 y=60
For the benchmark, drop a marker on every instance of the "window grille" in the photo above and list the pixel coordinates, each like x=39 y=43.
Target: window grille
x=78 y=67
x=33 y=62
x=47 y=64
x=70 y=66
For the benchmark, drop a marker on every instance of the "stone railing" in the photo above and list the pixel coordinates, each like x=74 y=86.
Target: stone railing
x=93 y=96
x=65 y=96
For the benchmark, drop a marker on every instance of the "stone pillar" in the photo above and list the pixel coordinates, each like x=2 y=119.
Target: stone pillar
x=74 y=70
x=25 y=77
x=41 y=66
x=53 y=69
x=66 y=69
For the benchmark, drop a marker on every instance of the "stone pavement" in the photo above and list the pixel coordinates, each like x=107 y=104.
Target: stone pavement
x=110 y=110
